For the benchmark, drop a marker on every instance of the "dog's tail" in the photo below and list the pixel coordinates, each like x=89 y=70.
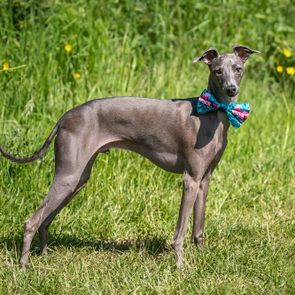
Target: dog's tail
x=38 y=154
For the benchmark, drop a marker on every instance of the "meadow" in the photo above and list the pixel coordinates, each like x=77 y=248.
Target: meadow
x=114 y=237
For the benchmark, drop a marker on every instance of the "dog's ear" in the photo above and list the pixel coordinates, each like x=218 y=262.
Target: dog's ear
x=207 y=56
x=243 y=52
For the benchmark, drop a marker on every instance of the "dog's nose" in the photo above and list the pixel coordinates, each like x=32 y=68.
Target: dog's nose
x=231 y=90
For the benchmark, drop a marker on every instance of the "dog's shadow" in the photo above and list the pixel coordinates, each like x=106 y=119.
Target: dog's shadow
x=153 y=246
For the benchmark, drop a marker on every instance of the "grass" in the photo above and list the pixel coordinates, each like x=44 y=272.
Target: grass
x=114 y=236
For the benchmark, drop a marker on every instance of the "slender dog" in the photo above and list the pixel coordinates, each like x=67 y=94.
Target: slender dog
x=170 y=133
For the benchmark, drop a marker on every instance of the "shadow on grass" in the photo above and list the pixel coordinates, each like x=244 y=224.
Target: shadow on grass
x=152 y=245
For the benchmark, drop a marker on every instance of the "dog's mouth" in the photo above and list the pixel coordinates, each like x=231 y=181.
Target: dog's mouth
x=232 y=94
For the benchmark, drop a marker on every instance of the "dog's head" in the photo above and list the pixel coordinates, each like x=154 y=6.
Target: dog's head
x=226 y=70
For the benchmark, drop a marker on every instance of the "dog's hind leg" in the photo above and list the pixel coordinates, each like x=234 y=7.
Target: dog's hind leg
x=43 y=229
x=74 y=159
x=59 y=194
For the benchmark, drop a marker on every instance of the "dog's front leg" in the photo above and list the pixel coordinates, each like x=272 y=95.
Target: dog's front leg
x=190 y=190
x=199 y=213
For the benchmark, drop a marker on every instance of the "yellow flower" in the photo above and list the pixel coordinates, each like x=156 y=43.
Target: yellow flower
x=68 y=47
x=280 y=69
x=77 y=75
x=290 y=71
x=5 y=66
x=287 y=52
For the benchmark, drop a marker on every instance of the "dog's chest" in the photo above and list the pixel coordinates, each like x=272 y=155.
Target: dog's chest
x=212 y=137
x=219 y=144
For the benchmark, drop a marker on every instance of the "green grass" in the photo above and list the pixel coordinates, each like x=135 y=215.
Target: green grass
x=114 y=236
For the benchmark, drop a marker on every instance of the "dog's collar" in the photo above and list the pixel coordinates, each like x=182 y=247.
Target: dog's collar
x=236 y=113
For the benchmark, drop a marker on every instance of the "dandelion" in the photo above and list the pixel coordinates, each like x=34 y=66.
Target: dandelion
x=68 y=48
x=77 y=75
x=287 y=52
x=280 y=69
x=5 y=66
x=290 y=71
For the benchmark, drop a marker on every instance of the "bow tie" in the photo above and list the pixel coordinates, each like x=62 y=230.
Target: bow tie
x=236 y=113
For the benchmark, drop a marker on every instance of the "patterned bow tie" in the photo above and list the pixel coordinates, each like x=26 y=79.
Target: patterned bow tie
x=236 y=113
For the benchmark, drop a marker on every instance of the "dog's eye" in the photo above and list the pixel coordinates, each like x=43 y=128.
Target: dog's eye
x=218 y=72
x=239 y=70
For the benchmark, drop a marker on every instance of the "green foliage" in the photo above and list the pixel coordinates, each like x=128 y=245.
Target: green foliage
x=114 y=236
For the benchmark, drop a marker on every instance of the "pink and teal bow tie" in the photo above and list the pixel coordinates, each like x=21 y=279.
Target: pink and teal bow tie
x=236 y=113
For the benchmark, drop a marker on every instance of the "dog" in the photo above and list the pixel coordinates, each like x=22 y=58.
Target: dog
x=172 y=134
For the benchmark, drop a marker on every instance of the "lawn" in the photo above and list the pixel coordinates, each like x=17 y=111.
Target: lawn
x=114 y=237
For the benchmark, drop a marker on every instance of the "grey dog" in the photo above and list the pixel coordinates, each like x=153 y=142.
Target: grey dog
x=167 y=132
